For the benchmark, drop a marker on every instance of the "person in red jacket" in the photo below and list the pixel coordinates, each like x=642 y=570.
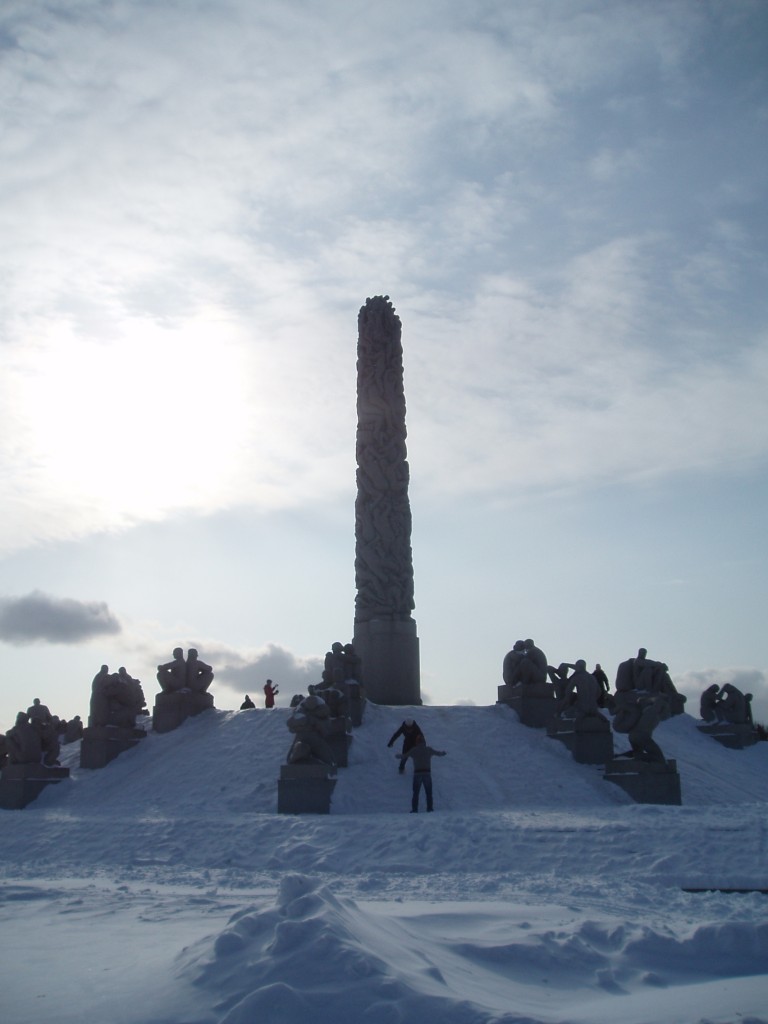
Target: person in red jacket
x=270 y=692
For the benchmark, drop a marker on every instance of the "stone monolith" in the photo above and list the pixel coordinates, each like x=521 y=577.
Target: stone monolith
x=385 y=633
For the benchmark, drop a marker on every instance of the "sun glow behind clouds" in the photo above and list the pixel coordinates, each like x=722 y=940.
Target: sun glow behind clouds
x=151 y=421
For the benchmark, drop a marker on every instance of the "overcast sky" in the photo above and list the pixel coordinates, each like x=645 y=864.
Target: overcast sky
x=565 y=202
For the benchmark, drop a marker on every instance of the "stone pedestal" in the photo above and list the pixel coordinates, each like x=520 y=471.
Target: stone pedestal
x=563 y=729
x=356 y=699
x=737 y=737
x=593 y=743
x=20 y=784
x=647 y=782
x=389 y=655
x=171 y=709
x=305 y=789
x=339 y=740
x=102 y=744
x=589 y=739
x=534 y=703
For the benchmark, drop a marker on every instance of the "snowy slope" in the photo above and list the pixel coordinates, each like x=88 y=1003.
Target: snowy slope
x=166 y=888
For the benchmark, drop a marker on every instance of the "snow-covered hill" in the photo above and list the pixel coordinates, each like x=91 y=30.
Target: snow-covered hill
x=536 y=892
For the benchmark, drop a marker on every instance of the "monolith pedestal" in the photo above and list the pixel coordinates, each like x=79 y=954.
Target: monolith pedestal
x=385 y=633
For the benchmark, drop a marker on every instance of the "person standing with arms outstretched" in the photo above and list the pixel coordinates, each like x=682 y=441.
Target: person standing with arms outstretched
x=422 y=755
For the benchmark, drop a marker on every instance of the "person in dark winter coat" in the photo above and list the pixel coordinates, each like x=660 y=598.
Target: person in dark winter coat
x=247 y=703
x=410 y=732
x=422 y=755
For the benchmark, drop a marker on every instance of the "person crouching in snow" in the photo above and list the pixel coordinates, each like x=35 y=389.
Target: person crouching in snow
x=410 y=732
x=422 y=755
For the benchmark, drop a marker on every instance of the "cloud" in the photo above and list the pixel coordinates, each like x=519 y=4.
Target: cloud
x=247 y=672
x=201 y=244
x=41 y=618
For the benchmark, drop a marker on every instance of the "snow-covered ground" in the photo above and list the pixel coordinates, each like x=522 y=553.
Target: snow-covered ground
x=165 y=888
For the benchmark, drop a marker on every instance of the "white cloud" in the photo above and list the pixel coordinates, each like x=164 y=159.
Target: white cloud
x=199 y=199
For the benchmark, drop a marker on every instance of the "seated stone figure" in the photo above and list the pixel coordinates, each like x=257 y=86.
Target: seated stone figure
x=308 y=724
x=643 y=674
x=734 y=706
x=336 y=699
x=173 y=675
x=559 y=678
x=353 y=665
x=74 y=730
x=199 y=675
x=116 y=700
x=23 y=742
x=333 y=668
x=39 y=712
x=525 y=664
x=133 y=687
x=708 y=703
x=582 y=693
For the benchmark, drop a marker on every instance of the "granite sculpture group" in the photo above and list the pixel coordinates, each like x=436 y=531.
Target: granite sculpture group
x=576 y=706
x=726 y=704
x=183 y=690
x=29 y=756
x=321 y=724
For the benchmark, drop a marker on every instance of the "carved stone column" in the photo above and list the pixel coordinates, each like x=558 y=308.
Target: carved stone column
x=385 y=634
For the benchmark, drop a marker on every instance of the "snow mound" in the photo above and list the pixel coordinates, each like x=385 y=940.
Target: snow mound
x=309 y=957
x=313 y=955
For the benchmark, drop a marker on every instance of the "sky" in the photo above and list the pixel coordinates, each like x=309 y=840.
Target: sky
x=163 y=889
x=566 y=204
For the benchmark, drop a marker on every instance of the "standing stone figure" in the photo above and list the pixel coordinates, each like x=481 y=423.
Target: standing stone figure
x=385 y=634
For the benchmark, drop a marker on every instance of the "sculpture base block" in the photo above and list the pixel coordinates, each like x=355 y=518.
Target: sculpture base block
x=737 y=737
x=389 y=655
x=102 y=744
x=20 y=784
x=171 y=709
x=305 y=789
x=589 y=739
x=534 y=703
x=647 y=782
